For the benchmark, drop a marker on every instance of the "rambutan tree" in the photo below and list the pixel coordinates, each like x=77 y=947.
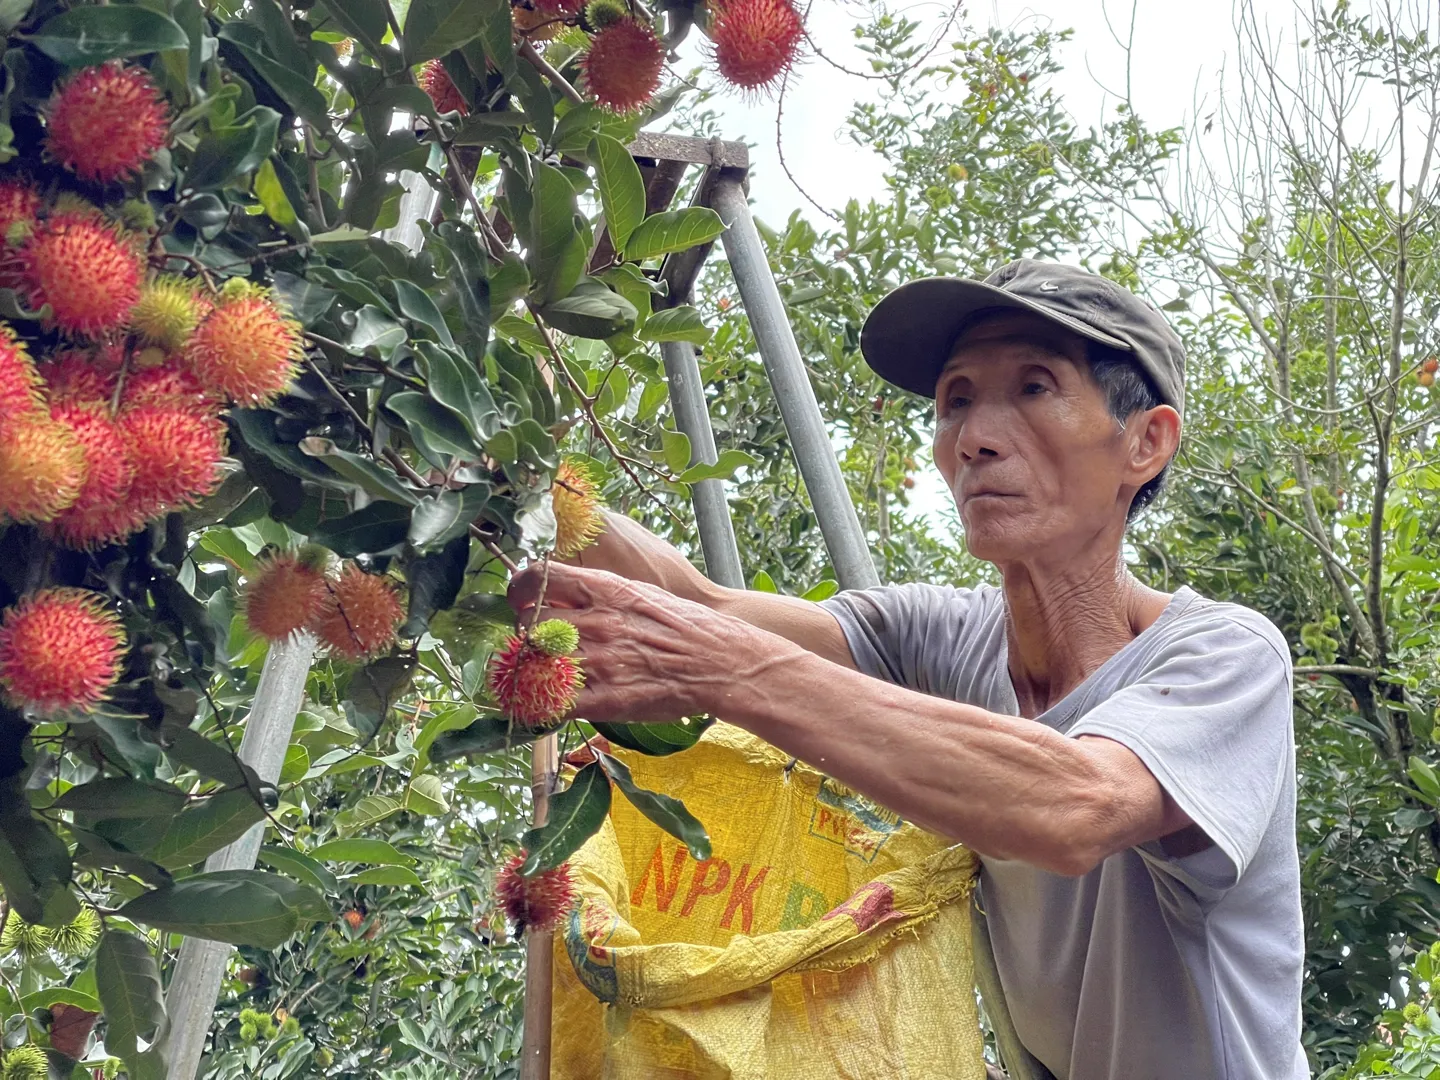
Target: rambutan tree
x=234 y=410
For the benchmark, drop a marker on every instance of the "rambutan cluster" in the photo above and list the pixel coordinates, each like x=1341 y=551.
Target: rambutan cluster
x=533 y=677
x=355 y=615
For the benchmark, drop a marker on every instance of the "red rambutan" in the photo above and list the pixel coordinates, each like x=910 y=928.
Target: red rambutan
x=106 y=122
x=20 y=382
x=540 y=902
x=170 y=385
x=578 y=516
x=81 y=375
x=84 y=269
x=436 y=81
x=42 y=467
x=532 y=687
x=285 y=594
x=246 y=348
x=176 y=454
x=360 y=614
x=19 y=205
x=623 y=64
x=102 y=512
x=755 y=41
x=60 y=649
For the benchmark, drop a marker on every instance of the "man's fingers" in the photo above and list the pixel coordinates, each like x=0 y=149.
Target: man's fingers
x=565 y=588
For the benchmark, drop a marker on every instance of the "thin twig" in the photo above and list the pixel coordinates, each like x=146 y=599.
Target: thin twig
x=540 y=64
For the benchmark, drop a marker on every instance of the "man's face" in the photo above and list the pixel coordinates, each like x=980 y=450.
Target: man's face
x=1031 y=454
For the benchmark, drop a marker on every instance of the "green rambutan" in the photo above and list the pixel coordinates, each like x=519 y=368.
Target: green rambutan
x=540 y=902
x=436 y=82
x=167 y=312
x=286 y=593
x=42 y=468
x=531 y=686
x=623 y=64
x=26 y=1062
x=755 y=41
x=78 y=936
x=60 y=649
x=101 y=512
x=555 y=637
x=177 y=456
x=28 y=939
x=84 y=269
x=602 y=13
x=578 y=515
x=247 y=348
x=106 y=122
x=360 y=615
x=20 y=381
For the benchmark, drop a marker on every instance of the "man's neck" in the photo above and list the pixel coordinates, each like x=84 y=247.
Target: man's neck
x=1063 y=623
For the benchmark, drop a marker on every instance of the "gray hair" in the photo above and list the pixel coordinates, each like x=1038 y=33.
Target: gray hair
x=1128 y=390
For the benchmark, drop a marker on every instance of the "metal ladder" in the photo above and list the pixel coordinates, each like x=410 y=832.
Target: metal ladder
x=723 y=187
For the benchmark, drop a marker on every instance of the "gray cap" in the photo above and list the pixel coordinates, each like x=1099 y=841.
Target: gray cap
x=908 y=337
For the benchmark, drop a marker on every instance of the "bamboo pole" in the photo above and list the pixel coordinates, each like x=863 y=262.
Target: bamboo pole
x=539 y=945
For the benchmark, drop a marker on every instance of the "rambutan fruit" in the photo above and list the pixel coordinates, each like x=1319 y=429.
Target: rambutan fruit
x=286 y=593
x=167 y=312
x=360 y=614
x=81 y=266
x=353 y=918
x=20 y=381
x=170 y=385
x=555 y=637
x=436 y=82
x=345 y=48
x=247 y=348
x=101 y=512
x=42 y=467
x=602 y=13
x=623 y=64
x=27 y=1062
x=176 y=453
x=76 y=937
x=755 y=41
x=106 y=122
x=60 y=649
x=28 y=939
x=19 y=206
x=80 y=375
x=578 y=516
x=531 y=686
x=540 y=902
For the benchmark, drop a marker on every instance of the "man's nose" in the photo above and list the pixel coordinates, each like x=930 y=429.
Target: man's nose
x=982 y=433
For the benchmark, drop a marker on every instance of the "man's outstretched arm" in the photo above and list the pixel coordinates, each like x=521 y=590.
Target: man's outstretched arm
x=629 y=549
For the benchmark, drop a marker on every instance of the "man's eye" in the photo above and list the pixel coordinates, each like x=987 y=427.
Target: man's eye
x=955 y=401
x=1034 y=388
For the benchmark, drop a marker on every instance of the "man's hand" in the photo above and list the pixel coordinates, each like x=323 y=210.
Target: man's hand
x=648 y=654
x=629 y=549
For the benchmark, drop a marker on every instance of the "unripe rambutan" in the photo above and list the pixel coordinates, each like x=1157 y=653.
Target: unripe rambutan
x=623 y=64
x=286 y=593
x=26 y=1062
x=170 y=385
x=540 y=902
x=578 y=517
x=167 y=312
x=360 y=614
x=247 y=348
x=532 y=687
x=101 y=512
x=20 y=382
x=84 y=269
x=602 y=13
x=28 y=939
x=60 y=649
x=177 y=456
x=42 y=467
x=555 y=637
x=77 y=936
x=79 y=375
x=106 y=122
x=436 y=82
x=755 y=41
x=19 y=205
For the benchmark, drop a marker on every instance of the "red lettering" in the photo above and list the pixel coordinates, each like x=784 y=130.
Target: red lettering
x=664 y=893
x=700 y=887
x=742 y=898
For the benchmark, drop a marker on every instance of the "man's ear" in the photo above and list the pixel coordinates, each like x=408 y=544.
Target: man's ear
x=1155 y=436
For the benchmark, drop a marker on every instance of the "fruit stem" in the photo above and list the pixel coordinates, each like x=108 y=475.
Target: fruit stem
x=540 y=64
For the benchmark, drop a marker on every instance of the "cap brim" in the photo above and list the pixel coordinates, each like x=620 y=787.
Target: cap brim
x=908 y=336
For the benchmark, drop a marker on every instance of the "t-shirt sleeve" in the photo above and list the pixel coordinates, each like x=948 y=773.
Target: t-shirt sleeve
x=1211 y=720
x=899 y=632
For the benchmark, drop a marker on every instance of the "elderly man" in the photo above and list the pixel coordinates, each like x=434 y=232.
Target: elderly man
x=1120 y=758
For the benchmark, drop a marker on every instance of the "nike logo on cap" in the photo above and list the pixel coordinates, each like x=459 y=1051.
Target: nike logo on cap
x=1049 y=286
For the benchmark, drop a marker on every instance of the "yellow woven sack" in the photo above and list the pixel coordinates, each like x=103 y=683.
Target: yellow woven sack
x=824 y=938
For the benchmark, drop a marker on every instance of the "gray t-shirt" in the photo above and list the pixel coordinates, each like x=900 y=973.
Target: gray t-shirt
x=1150 y=967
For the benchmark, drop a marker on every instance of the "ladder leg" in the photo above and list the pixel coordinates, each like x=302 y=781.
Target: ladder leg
x=712 y=514
x=819 y=467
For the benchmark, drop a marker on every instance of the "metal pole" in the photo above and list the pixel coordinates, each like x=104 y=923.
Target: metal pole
x=712 y=513
x=195 y=985
x=819 y=467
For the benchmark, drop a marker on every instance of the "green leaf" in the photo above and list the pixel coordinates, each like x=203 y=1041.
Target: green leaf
x=681 y=323
x=575 y=815
x=763 y=582
x=415 y=304
x=297 y=88
x=374 y=688
x=1425 y=781
x=673 y=230
x=242 y=907
x=440 y=429
x=401 y=876
x=436 y=27
x=271 y=194
x=363 y=20
x=484 y=736
x=361 y=850
x=84 y=36
x=59 y=995
x=200 y=830
x=656 y=740
x=127 y=981
x=437 y=519
x=468 y=271
x=228 y=153
x=366 y=812
x=452 y=719
x=426 y=795
x=821 y=590
x=377 y=529
x=675 y=445
x=723 y=469
x=301 y=866
x=558 y=257
x=622 y=189
x=455 y=383
x=377 y=331
x=435 y=580
x=189 y=747
x=296 y=765
x=121 y=797
x=12 y=14
x=592 y=310
x=667 y=812
x=374 y=479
